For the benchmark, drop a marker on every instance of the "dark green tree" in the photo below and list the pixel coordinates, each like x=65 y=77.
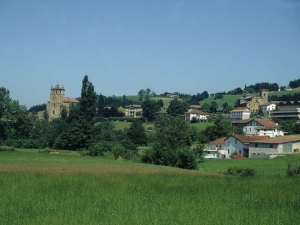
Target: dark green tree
x=87 y=101
x=177 y=107
x=150 y=107
x=171 y=146
x=136 y=133
x=213 y=107
x=205 y=107
x=100 y=106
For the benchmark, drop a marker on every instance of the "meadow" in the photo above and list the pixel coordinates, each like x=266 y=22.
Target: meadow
x=67 y=188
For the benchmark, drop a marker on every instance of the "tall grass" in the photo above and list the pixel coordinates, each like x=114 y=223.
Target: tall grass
x=146 y=199
x=38 y=188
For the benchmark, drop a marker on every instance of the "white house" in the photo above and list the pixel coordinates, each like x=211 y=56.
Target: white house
x=276 y=145
x=267 y=107
x=261 y=127
x=239 y=144
x=199 y=115
x=131 y=110
x=195 y=107
x=216 y=149
x=240 y=113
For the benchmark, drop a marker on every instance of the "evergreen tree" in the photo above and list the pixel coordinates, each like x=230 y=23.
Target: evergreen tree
x=87 y=101
x=100 y=106
x=136 y=133
x=150 y=108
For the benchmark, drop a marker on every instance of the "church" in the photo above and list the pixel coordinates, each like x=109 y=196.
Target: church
x=253 y=103
x=57 y=102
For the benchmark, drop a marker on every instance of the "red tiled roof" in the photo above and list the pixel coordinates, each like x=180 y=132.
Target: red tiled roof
x=278 y=140
x=69 y=100
x=218 y=141
x=194 y=111
x=246 y=139
x=240 y=109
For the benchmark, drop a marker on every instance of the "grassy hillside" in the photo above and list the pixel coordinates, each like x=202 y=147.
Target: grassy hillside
x=230 y=99
x=39 y=188
x=280 y=93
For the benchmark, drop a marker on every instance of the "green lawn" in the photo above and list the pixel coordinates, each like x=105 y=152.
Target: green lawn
x=120 y=125
x=230 y=99
x=40 y=188
x=201 y=126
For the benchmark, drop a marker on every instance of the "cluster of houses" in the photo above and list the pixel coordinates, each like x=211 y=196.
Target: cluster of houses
x=262 y=137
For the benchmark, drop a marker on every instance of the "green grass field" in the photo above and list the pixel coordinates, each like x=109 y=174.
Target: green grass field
x=230 y=99
x=40 y=188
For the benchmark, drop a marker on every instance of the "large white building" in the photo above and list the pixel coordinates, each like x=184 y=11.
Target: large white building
x=240 y=113
x=131 y=110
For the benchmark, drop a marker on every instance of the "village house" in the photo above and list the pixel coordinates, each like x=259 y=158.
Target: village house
x=216 y=149
x=132 y=110
x=199 y=115
x=239 y=113
x=239 y=144
x=195 y=107
x=262 y=127
x=274 y=146
x=171 y=95
x=267 y=107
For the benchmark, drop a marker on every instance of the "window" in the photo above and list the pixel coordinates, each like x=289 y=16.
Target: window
x=240 y=152
x=53 y=112
x=271 y=145
x=235 y=141
x=256 y=145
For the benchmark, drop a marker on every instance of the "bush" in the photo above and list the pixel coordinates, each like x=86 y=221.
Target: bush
x=186 y=159
x=293 y=171
x=243 y=172
x=99 y=148
x=7 y=148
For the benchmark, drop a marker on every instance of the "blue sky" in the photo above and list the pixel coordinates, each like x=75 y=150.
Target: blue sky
x=187 y=46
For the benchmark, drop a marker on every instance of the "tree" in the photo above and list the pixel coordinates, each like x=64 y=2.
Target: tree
x=177 y=107
x=150 y=107
x=100 y=106
x=205 y=107
x=63 y=113
x=222 y=128
x=87 y=101
x=213 y=107
x=171 y=146
x=172 y=131
x=136 y=133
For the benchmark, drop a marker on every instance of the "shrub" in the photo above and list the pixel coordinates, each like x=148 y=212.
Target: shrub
x=7 y=148
x=243 y=172
x=293 y=171
x=99 y=148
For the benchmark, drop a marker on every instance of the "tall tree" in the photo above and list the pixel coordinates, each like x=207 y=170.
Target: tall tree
x=150 y=107
x=100 y=106
x=213 y=107
x=87 y=100
x=136 y=133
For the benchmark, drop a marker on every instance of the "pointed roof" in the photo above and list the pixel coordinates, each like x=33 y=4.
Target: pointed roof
x=219 y=141
x=246 y=139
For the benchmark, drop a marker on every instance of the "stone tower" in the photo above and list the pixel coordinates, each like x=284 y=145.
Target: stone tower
x=56 y=102
x=264 y=94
